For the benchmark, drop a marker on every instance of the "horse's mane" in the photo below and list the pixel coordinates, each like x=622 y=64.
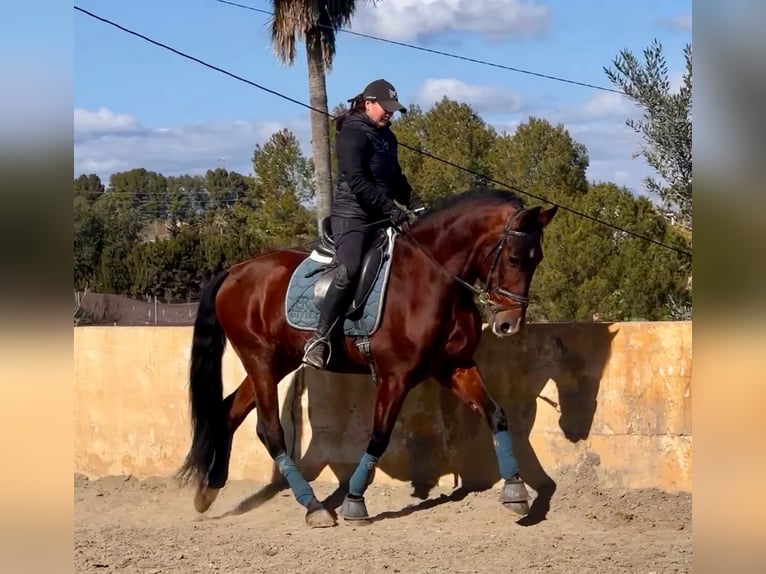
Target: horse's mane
x=481 y=194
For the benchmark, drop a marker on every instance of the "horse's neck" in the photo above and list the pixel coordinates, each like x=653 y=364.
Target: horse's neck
x=456 y=243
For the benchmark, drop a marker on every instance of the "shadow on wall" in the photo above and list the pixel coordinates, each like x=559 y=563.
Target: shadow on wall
x=436 y=435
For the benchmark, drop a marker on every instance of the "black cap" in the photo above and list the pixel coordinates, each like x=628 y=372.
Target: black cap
x=385 y=94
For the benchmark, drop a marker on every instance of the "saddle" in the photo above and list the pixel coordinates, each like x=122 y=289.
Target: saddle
x=310 y=280
x=372 y=262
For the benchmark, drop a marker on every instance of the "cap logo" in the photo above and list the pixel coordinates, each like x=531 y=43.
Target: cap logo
x=392 y=94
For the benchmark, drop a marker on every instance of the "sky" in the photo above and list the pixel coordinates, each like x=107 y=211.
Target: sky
x=138 y=105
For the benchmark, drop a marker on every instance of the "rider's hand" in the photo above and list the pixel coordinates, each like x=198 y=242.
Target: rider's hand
x=400 y=219
x=416 y=204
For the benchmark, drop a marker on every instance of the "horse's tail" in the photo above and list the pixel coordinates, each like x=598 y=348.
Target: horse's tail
x=205 y=386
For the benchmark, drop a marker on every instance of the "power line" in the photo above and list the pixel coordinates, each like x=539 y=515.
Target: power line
x=425 y=153
x=193 y=59
x=439 y=52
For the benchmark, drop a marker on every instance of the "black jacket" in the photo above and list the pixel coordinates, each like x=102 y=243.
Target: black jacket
x=369 y=174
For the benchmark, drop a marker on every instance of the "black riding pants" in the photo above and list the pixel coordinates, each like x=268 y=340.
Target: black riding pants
x=352 y=238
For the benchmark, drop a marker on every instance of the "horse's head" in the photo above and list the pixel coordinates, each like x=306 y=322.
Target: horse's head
x=510 y=265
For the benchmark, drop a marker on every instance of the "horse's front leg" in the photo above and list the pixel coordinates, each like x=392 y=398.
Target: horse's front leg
x=468 y=385
x=388 y=404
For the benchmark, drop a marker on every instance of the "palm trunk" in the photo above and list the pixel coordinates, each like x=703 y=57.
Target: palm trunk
x=320 y=128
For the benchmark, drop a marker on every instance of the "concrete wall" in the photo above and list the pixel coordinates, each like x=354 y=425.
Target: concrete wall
x=614 y=396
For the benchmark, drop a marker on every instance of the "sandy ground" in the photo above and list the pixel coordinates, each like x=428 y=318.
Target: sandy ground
x=123 y=524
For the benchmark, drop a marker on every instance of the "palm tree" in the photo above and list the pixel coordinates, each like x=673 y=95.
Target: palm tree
x=315 y=22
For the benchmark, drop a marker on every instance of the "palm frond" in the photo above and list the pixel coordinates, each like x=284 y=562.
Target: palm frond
x=309 y=20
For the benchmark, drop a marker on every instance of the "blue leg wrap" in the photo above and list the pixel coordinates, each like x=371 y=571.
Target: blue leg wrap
x=506 y=461
x=358 y=482
x=301 y=489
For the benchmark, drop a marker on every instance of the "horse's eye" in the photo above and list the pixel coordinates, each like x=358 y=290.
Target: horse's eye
x=514 y=261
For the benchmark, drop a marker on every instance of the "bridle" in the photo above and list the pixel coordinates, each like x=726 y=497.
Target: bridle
x=484 y=295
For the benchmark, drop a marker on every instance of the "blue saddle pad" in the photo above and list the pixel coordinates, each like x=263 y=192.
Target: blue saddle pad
x=302 y=312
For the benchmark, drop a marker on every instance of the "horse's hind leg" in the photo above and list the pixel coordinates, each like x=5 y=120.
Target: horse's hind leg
x=468 y=385
x=266 y=377
x=235 y=407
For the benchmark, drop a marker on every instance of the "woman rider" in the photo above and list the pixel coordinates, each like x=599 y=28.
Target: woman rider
x=369 y=180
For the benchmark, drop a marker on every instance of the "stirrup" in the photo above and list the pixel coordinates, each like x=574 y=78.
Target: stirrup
x=311 y=347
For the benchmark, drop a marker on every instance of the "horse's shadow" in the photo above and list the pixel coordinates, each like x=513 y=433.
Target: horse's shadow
x=431 y=444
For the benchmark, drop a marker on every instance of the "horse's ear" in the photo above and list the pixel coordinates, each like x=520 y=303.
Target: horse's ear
x=545 y=216
x=526 y=219
x=533 y=218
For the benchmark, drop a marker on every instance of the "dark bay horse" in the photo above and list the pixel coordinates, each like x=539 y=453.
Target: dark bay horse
x=430 y=328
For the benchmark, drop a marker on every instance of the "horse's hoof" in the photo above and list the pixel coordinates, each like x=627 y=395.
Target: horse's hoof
x=204 y=497
x=317 y=515
x=514 y=491
x=514 y=496
x=521 y=508
x=354 y=508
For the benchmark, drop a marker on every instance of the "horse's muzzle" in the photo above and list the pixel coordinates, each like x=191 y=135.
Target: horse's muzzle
x=504 y=325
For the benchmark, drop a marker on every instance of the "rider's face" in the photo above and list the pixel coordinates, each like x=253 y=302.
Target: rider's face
x=376 y=113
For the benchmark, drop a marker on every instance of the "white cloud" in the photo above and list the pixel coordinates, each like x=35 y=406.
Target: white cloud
x=107 y=142
x=87 y=122
x=677 y=23
x=412 y=19
x=604 y=106
x=598 y=122
x=613 y=147
x=482 y=98
x=599 y=107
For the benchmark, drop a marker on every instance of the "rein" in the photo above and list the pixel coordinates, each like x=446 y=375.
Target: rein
x=484 y=295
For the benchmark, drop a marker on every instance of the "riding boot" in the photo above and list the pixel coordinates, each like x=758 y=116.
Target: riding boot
x=317 y=349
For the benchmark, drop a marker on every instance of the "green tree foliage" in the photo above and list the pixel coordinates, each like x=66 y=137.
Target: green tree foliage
x=150 y=235
x=224 y=188
x=143 y=191
x=121 y=222
x=279 y=166
x=187 y=197
x=666 y=125
x=88 y=242
x=452 y=131
x=168 y=269
x=337 y=111
x=89 y=186
x=283 y=185
x=595 y=272
x=591 y=271
x=542 y=159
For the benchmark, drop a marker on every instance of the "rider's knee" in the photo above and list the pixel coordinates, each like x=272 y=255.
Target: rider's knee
x=342 y=276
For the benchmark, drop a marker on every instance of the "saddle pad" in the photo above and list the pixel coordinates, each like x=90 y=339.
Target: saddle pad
x=303 y=314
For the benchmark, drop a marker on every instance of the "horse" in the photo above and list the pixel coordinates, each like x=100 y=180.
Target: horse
x=429 y=327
